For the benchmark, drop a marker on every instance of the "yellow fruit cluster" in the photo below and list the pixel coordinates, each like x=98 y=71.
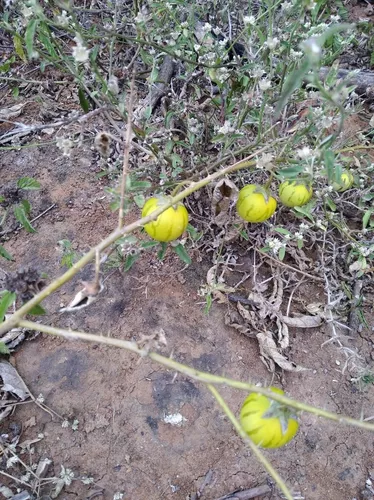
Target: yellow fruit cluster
x=255 y=204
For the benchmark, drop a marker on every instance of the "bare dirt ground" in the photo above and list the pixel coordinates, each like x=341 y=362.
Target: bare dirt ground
x=122 y=439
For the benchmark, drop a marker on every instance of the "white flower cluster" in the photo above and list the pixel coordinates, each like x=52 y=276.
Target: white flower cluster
x=194 y=126
x=80 y=52
x=226 y=128
x=275 y=244
x=65 y=145
x=63 y=19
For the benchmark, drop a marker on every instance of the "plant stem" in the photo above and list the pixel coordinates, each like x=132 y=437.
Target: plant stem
x=207 y=378
x=255 y=450
x=126 y=153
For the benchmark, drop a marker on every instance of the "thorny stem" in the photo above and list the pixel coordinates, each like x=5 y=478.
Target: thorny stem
x=126 y=153
x=207 y=378
x=115 y=235
x=255 y=450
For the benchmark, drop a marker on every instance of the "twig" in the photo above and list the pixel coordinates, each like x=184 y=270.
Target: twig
x=43 y=213
x=316 y=278
x=192 y=372
x=255 y=492
x=255 y=450
x=126 y=153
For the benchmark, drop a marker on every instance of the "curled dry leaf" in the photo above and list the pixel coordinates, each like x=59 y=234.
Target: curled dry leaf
x=84 y=297
x=225 y=195
x=302 y=321
x=271 y=355
x=12 y=382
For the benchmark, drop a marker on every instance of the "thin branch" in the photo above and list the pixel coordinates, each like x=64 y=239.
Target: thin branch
x=207 y=378
x=255 y=450
x=126 y=152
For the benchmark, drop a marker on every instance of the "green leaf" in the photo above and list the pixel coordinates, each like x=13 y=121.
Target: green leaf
x=291 y=172
x=26 y=205
x=37 y=310
x=28 y=183
x=331 y=204
x=281 y=230
x=15 y=92
x=304 y=211
x=6 y=301
x=161 y=253
x=139 y=200
x=5 y=254
x=282 y=253
x=366 y=218
x=130 y=261
x=182 y=254
x=18 y=47
x=85 y=105
x=3 y=348
x=292 y=82
x=29 y=37
x=45 y=38
x=149 y=244
x=21 y=216
x=329 y=160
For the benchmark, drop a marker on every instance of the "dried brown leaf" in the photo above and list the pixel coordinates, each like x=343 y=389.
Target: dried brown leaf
x=302 y=321
x=271 y=354
x=12 y=382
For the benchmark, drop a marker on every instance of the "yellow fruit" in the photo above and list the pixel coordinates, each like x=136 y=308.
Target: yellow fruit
x=255 y=204
x=268 y=423
x=169 y=225
x=346 y=181
x=295 y=193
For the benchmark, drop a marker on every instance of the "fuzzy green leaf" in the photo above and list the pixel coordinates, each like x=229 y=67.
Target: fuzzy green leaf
x=182 y=254
x=5 y=254
x=28 y=183
x=29 y=37
x=21 y=216
x=6 y=301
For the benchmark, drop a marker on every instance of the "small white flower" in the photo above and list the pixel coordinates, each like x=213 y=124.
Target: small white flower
x=312 y=49
x=303 y=226
x=335 y=19
x=207 y=28
x=87 y=480
x=65 y=424
x=226 y=128
x=264 y=84
x=113 y=85
x=286 y=6
x=299 y=236
x=11 y=461
x=27 y=12
x=197 y=47
x=140 y=18
x=271 y=43
x=264 y=161
x=118 y=496
x=257 y=72
x=249 y=20
x=80 y=52
x=40 y=398
x=67 y=475
x=63 y=19
x=66 y=145
x=304 y=153
x=74 y=425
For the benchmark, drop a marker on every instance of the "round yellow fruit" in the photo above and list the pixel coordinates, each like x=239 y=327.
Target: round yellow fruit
x=255 y=204
x=169 y=225
x=295 y=193
x=345 y=182
x=269 y=424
